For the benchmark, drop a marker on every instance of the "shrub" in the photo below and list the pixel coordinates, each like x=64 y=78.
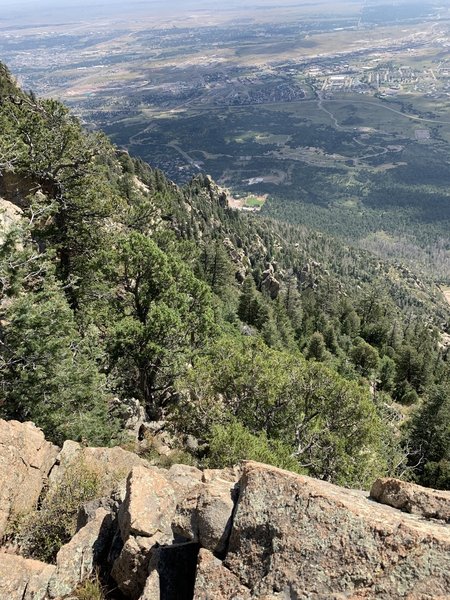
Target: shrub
x=232 y=443
x=42 y=532
x=90 y=589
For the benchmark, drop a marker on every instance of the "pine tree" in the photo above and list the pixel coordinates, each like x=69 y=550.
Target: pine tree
x=49 y=372
x=252 y=308
x=215 y=267
x=163 y=319
x=316 y=347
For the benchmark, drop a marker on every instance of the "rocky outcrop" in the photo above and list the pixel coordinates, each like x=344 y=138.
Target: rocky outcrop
x=112 y=465
x=144 y=524
x=23 y=579
x=253 y=532
x=269 y=283
x=204 y=514
x=10 y=214
x=155 y=438
x=292 y=536
x=26 y=459
x=78 y=559
x=310 y=275
x=303 y=538
x=164 y=516
x=415 y=499
x=239 y=259
x=213 y=580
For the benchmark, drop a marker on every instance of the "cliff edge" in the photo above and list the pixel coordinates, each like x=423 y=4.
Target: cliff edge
x=252 y=532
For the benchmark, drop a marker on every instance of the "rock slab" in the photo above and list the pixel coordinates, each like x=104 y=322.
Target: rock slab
x=78 y=559
x=299 y=537
x=23 y=579
x=415 y=499
x=26 y=459
x=215 y=582
x=146 y=524
x=113 y=465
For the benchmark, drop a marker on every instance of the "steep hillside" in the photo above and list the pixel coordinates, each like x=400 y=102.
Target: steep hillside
x=258 y=339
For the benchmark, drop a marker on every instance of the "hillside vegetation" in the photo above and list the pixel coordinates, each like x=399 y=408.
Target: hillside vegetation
x=262 y=340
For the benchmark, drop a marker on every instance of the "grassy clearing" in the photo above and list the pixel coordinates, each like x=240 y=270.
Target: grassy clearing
x=255 y=201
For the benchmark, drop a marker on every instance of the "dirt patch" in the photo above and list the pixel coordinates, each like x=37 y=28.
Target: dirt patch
x=446 y=292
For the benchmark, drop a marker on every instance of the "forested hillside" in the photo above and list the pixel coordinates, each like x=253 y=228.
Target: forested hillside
x=262 y=340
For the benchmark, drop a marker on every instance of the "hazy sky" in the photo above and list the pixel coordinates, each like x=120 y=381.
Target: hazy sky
x=51 y=11
x=73 y=10
x=64 y=4
x=68 y=11
x=127 y=5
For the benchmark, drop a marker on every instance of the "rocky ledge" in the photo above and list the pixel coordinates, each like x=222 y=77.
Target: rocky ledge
x=253 y=532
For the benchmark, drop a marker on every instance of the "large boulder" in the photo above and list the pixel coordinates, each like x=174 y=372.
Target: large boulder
x=10 y=215
x=23 y=579
x=145 y=520
x=269 y=283
x=26 y=459
x=159 y=523
x=131 y=568
x=204 y=515
x=149 y=504
x=78 y=559
x=214 y=581
x=234 y=534
x=184 y=478
x=304 y=538
x=412 y=498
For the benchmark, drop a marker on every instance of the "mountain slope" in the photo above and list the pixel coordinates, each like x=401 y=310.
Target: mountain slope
x=264 y=340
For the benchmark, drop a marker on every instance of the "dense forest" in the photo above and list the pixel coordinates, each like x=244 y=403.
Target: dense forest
x=400 y=214
x=261 y=339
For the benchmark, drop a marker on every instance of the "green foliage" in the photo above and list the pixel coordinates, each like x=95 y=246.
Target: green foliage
x=232 y=442
x=413 y=373
x=164 y=316
x=252 y=308
x=365 y=358
x=316 y=348
x=429 y=435
x=49 y=153
x=49 y=372
x=215 y=267
x=387 y=374
x=42 y=533
x=330 y=339
x=119 y=283
x=329 y=424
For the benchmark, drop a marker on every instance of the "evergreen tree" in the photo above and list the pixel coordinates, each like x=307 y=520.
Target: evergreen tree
x=330 y=339
x=413 y=373
x=387 y=374
x=49 y=373
x=215 y=267
x=253 y=309
x=316 y=347
x=165 y=316
x=429 y=434
x=365 y=358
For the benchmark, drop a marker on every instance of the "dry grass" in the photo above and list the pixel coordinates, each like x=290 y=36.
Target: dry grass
x=90 y=589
